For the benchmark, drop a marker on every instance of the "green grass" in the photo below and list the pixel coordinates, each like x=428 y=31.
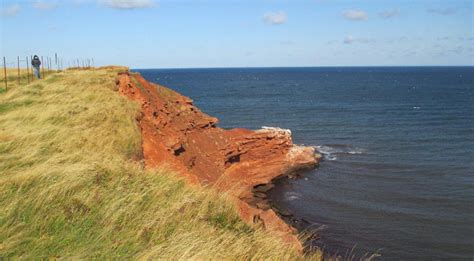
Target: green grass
x=69 y=189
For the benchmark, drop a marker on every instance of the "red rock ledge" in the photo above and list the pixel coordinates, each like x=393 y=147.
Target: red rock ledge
x=241 y=162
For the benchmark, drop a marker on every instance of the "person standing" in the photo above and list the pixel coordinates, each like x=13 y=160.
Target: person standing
x=36 y=63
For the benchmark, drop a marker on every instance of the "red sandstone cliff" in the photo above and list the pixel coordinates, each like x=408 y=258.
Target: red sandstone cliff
x=241 y=162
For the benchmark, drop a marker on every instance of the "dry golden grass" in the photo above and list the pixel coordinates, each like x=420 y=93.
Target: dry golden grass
x=25 y=76
x=69 y=189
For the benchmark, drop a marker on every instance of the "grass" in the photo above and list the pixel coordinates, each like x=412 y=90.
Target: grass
x=25 y=77
x=70 y=189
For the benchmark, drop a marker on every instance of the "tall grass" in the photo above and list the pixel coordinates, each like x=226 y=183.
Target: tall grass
x=12 y=76
x=69 y=189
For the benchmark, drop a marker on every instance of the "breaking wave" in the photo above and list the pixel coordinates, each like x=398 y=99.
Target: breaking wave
x=331 y=151
x=290 y=196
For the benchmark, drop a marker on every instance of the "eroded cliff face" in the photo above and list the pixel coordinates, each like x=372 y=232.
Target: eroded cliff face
x=242 y=162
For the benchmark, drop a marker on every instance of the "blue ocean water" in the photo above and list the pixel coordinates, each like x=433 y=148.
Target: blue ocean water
x=398 y=173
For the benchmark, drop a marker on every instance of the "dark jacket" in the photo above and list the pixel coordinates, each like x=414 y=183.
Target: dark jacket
x=36 y=61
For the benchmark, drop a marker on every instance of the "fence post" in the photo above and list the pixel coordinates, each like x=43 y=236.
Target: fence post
x=32 y=72
x=42 y=67
x=27 y=71
x=5 y=72
x=18 y=63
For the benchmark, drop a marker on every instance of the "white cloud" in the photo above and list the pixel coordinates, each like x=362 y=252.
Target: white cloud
x=11 y=10
x=275 y=18
x=445 y=11
x=128 y=4
x=80 y=2
x=355 y=15
x=389 y=13
x=350 y=39
x=42 y=5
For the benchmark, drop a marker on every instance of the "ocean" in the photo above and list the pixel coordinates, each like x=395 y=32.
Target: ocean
x=398 y=171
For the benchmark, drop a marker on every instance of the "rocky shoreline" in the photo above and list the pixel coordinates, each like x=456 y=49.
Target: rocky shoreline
x=305 y=228
x=240 y=162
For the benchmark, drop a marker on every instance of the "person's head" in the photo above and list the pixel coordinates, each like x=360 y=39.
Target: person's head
x=35 y=57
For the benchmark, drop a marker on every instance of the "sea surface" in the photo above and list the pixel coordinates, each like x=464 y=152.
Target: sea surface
x=398 y=171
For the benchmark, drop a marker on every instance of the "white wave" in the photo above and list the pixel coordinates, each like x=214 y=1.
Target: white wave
x=323 y=149
x=353 y=152
x=330 y=152
x=290 y=196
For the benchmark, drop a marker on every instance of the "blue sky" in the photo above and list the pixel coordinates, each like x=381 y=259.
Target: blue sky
x=241 y=33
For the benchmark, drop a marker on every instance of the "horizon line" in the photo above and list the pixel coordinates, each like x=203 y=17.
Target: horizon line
x=276 y=67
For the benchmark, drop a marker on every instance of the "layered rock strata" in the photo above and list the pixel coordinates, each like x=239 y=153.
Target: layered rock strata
x=241 y=162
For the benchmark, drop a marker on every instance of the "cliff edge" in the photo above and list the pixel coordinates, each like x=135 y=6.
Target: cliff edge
x=240 y=162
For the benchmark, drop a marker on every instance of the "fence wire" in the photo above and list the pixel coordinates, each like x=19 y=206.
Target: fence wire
x=48 y=65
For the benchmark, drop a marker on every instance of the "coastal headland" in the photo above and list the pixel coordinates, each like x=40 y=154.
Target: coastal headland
x=240 y=162
x=97 y=163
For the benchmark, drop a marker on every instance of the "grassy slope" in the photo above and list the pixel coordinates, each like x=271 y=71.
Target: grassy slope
x=69 y=189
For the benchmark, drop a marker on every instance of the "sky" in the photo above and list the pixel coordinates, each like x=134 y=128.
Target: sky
x=241 y=33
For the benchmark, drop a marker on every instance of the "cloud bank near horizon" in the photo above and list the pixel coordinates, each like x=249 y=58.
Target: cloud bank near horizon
x=128 y=4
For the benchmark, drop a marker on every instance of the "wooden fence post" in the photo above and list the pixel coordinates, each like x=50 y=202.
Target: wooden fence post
x=32 y=72
x=27 y=71
x=42 y=67
x=5 y=72
x=18 y=63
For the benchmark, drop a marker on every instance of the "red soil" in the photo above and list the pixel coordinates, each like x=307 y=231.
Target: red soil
x=241 y=162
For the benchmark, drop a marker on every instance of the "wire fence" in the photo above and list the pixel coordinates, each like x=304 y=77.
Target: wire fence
x=48 y=66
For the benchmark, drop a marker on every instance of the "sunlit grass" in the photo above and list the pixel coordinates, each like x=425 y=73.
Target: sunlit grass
x=70 y=189
x=17 y=78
